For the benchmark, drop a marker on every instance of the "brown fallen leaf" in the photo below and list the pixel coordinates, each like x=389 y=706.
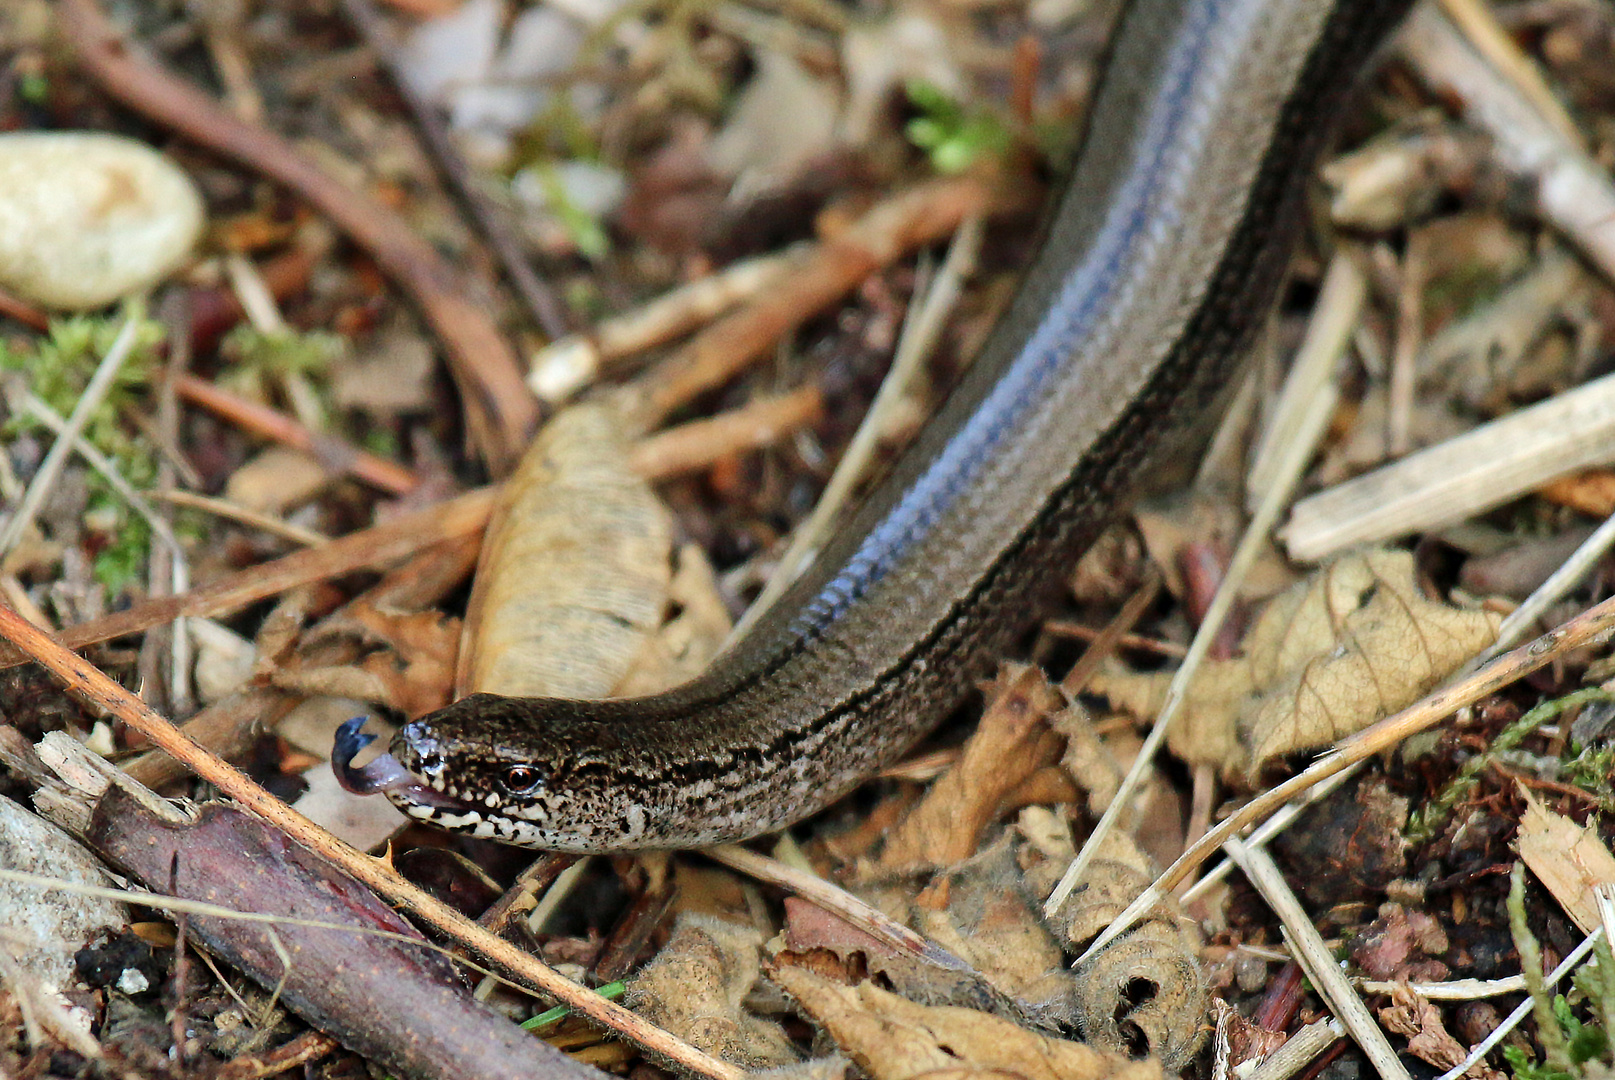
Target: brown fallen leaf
x=1011 y=743
x=1086 y=758
x=892 y=1038
x=1351 y=644
x=833 y=948
x=410 y=672
x=1568 y=859
x=575 y=570
x=1143 y=993
x=1413 y=1017
x=695 y=988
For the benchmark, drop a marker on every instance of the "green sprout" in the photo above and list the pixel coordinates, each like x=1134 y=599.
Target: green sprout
x=951 y=136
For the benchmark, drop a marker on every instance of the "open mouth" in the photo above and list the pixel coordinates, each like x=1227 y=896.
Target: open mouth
x=384 y=774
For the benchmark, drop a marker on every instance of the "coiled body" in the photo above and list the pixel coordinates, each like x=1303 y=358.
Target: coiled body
x=1162 y=262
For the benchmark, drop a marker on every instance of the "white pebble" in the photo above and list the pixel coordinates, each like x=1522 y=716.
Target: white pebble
x=87 y=218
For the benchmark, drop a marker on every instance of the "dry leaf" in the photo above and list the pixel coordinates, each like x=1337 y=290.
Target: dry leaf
x=574 y=574
x=894 y=1039
x=1086 y=758
x=993 y=923
x=687 y=642
x=829 y=946
x=1568 y=859
x=695 y=986
x=1143 y=993
x=1351 y=644
x=1413 y=1017
x=411 y=672
x=1012 y=742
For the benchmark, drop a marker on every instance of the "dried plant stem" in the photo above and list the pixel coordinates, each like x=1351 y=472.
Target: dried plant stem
x=1298 y=1050
x=1311 y=952
x=87 y=681
x=1590 y=625
x=838 y=901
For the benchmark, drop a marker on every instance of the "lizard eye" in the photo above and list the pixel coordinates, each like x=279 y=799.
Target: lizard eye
x=522 y=779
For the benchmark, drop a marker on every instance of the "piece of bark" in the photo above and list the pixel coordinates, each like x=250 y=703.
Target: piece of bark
x=395 y=1002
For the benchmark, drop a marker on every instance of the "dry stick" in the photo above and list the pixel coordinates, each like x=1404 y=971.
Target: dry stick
x=838 y=901
x=243 y=515
x=1479 y=25
x=1298 y=1051
x=1591 y=624
x=1105 y=643
x=271 y=424
x=1251 y=543
x=911 y=219
x=84 y=679
x=699 y=443
x=1310 y=951
x=499 y=409
x=1522 y=1010
x=546 y=309
x=371 y=547
x=567 y=365
x=1572 y=191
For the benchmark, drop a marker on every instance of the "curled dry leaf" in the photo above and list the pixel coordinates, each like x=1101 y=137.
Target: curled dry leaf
x=409 y=665
x=993 y=923
x=1353 y=643
x=1412 y=1016
x=1142 y=994
x=1011 y=744
x=574 y=574
x=892 y=1038
x=695 y=986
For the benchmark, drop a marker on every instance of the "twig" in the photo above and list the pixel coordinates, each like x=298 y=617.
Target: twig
x=1298 y=1051
x=1572 y=191
x=1309 y=950
x=499 y=409
x=911 y=219
x=86 y=680
x=697 y=444
x=1453 y=480
x=1590 y=625
x=565 y=366
x=224 y=508
x=1329 y=331
x=332 y=452
x=375 y=546
x=1522 y=1010
x=838 y=901
x=546 y=308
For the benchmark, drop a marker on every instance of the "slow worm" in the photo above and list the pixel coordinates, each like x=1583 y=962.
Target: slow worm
x=1162 y=261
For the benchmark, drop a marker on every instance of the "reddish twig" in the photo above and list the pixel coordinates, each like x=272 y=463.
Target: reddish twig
x=331 y=451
